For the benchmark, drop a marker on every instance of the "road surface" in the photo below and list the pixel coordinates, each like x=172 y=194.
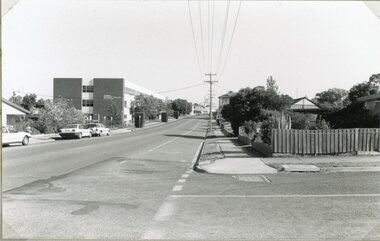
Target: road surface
x=140 y=185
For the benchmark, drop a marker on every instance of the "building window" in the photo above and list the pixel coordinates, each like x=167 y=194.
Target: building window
x=87 y=103
x=125 y=103
x=88 y=89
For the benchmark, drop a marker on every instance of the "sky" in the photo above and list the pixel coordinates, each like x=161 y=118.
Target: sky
x=307 y=47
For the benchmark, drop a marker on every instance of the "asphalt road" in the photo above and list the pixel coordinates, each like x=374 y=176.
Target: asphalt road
x=140 y=186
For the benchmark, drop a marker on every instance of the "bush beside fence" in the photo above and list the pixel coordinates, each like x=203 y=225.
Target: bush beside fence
x=332 y=141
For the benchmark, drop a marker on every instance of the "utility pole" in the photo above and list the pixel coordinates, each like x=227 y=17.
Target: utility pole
x=210 y=82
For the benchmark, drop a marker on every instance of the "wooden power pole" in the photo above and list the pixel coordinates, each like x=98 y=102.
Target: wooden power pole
x=211 y=82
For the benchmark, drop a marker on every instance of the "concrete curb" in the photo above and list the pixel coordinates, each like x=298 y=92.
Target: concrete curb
x=200 y=151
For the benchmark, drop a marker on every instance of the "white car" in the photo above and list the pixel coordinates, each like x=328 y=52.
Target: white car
x=98 y=129
x=74 y=130
x=10 y=136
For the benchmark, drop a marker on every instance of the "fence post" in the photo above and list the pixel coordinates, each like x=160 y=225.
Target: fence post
x=273 y=141
x=377 y=140
x=356 y=133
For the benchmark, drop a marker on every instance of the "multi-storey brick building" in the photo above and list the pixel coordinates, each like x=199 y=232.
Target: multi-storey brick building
x=94 y=96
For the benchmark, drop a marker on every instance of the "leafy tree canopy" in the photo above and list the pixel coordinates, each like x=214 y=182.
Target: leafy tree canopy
x=332 y=99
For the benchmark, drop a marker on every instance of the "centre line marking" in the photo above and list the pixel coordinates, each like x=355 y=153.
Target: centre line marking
x=277 y=196
x=185 y=175
x=182 y=180
x=177 y=188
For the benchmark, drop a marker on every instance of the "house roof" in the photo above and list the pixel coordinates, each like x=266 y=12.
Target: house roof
x=305 y=105
x=17 y=107
x=370 y=97
x=229 y=94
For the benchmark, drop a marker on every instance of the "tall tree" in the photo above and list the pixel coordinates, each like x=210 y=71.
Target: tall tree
x=16 y=99
x=369 y=87
x=271 y=85
x=332 y=99
x=29 y=101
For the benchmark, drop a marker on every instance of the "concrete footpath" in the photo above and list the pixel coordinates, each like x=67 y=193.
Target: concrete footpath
x=45 y=138
x=225 y=155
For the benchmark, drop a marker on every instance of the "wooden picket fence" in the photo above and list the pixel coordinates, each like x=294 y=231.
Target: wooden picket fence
x=313 y=142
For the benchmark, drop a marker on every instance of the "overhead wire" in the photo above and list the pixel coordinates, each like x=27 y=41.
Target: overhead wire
x=201 y=29
x=212 y=34
x=230 y=43
x=223 y=35
x=183 y=88
x=208 y=35
x=194 y=40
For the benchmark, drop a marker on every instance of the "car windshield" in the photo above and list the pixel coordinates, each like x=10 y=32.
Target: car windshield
x=72 y=126
x=92 y=125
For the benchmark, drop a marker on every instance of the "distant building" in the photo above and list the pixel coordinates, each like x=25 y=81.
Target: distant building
x=12 y=113
x=225 y=99
x=372 y=103
x=305 y=105
x=198 y=109
x=93 y=97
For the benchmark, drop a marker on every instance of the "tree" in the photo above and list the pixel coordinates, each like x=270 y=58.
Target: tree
x=246 y=105
x=29 y=101
x=40 y=103
x=57 y=115
x=148 y=104
x=354 y=115
x=114 y=113
x=182 y=106
x=17 y=99
x=369 y=87
x=332 y=99
x=271 y=85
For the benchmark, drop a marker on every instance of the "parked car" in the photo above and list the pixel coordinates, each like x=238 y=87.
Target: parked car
x=10 y=136
x=74 y=130
x=98 y=129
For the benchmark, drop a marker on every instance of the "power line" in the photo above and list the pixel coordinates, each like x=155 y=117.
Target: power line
x=200 y=24
x=212 y=34
x=229 y=46
x=224 y=34
x=183 y=88
x=221 y=87
x=208 y=34
x=195 y=44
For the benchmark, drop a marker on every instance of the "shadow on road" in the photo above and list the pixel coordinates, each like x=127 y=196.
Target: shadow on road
x=183 y=136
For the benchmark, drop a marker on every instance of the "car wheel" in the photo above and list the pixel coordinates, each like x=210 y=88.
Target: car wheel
x=108 y=133
x=25 y=141
x=80 y=136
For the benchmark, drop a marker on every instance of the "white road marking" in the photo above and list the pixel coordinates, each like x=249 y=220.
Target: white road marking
x=166 y=210
x=189 y=171
x=182 y=180
x=177 y=188
x=153 y=234
x=265 y=178
x=277 y=196
x=169 y=141
x=185 y=175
